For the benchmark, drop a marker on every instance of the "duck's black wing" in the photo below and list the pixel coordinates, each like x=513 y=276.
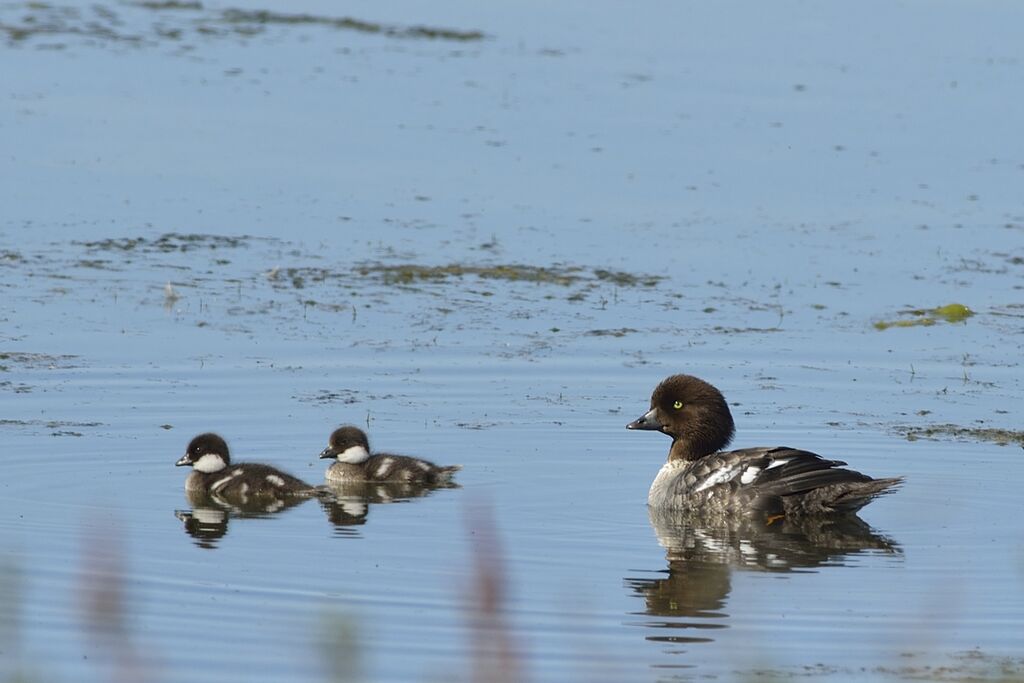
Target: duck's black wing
x=786 y=480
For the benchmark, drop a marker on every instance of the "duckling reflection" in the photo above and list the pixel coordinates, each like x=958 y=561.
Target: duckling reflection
x=207 y=521
x=347 y=504
x=702 y=556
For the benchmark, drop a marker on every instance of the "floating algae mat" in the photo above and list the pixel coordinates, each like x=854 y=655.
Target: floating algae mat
x=925 y=317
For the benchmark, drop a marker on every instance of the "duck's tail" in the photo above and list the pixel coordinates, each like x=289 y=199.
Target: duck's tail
x=443 y=474
x=853 y=496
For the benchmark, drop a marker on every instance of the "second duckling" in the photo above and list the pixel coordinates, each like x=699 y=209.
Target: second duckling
x=350 y=447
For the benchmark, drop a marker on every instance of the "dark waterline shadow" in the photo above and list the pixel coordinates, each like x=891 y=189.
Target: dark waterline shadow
x=688 y=601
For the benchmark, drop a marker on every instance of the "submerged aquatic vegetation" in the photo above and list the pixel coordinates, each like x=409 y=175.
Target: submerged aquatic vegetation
x=33 y=360
x=177 y=18
x=554 y=275
x=925 y=317
x=1002 y=437
x=168 y=242
x=263 y=17
x=41 y=19
x=409 y=273
x=170 y=4
x=619 y=332
x=412 y=274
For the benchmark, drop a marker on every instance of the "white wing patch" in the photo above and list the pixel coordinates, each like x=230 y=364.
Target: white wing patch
x=776 y=463
x=275 y=480
x=750 y=474
x=716 y=478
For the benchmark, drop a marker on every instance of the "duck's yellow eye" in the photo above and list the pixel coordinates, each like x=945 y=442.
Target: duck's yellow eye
x=677 y=405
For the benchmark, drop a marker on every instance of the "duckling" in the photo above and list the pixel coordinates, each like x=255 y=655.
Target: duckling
x=350 y=447
x=213 y=474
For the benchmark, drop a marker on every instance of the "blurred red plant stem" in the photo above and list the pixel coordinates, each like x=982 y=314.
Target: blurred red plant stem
x=495 y=656
x=104 y=604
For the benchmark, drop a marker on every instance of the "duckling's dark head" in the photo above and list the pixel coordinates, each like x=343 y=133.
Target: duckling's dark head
x=693 y=413
x=206 y=453
x=347 y=444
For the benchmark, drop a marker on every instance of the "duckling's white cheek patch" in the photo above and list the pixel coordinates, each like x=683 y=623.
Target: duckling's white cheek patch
x=210 y=462
x=353 y=455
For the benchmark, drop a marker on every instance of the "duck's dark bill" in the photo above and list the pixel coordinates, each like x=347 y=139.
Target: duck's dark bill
x=183 y=460
x=328 y=453
x=648 y=420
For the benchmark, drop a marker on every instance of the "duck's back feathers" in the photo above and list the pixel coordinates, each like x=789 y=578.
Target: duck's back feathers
x=248 y=480
x=777 y=480
x=388 y=467
x=403 y=468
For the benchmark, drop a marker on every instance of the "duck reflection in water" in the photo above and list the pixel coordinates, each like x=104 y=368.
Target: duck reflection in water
x=690 y=598
x=347 y=504
x=207 y=521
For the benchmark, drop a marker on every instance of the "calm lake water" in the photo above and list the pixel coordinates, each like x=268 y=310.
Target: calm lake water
x=485 y=232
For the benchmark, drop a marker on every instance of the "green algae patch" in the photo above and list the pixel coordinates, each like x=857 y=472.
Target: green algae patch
x=1002 y=437
x=926 y=317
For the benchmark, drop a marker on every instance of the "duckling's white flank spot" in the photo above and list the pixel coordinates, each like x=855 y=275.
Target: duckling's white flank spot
x=222 y=482
x=423 y=465
x=383 y=468
x=208 y=463
x=353 y=455
x=275 y=480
